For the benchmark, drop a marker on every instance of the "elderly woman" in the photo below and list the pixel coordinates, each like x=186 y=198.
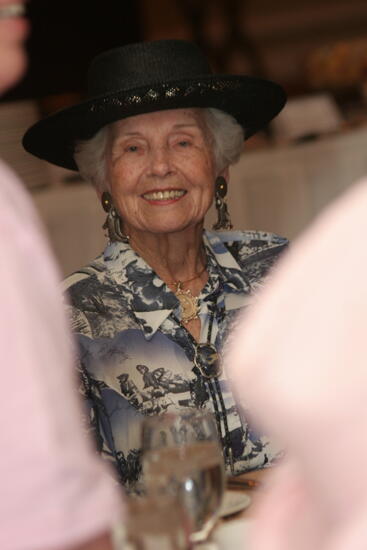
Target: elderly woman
x=156 y=137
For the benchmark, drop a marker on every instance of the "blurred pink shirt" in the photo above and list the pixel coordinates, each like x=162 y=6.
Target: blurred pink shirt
x=299 y=362
x=54 y=491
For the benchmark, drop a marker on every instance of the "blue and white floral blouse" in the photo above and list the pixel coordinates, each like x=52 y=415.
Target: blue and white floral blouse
x=136 y=358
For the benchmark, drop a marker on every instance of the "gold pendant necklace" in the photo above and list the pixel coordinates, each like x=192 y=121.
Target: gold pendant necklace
x=189 y=303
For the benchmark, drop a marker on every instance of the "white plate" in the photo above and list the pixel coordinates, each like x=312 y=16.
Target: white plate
x=233 y=502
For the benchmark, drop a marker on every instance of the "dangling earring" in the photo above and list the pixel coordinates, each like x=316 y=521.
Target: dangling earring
x=113 y=223
x=224 y=221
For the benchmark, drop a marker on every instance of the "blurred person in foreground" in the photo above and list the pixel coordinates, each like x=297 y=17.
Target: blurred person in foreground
x=156 y=136
x=308 y=386
x=55 y=492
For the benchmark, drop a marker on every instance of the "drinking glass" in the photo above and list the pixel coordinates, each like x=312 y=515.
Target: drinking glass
x=182 y=457
x=155 y=523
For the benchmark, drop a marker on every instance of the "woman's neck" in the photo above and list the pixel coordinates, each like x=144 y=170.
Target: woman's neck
x=173 y=256
x=179 y=259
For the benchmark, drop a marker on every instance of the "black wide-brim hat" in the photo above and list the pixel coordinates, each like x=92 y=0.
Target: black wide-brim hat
x=146 y=77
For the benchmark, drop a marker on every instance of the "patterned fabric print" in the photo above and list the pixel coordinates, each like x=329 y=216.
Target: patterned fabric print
x=136 y=358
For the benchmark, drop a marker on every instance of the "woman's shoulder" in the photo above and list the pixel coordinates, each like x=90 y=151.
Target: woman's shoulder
x=249 y=242
x=254 y=251
x=83 y=291
x=85 y=279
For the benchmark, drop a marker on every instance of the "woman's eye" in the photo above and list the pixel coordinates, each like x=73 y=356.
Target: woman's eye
x=132 y=148
x=184 y=143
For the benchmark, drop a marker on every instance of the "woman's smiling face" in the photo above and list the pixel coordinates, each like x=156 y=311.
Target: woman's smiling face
x=161 y=170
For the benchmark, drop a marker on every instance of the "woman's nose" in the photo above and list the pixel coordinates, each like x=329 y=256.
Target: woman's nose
x=160 y=163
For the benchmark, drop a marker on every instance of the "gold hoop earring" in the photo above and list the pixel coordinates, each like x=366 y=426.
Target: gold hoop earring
x=223 y=222
x=113 y=223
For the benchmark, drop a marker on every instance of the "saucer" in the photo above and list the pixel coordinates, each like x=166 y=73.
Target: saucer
x=234 y=502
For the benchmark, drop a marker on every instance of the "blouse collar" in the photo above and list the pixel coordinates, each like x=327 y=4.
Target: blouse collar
x=151 y=299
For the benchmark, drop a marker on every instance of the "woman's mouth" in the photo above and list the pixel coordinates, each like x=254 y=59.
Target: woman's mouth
x=166 y=195
x=12 y=10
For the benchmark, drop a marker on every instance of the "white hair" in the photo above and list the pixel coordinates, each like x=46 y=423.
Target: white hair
x=226 y=137
x=90 y=158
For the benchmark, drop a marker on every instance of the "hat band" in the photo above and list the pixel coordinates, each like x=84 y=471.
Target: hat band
x=162 y=92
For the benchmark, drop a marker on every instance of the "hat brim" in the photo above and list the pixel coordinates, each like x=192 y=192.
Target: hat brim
x=253 y=102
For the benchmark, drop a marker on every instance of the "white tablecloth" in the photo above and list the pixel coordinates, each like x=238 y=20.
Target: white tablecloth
x=283 y=188
x=73 y=219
